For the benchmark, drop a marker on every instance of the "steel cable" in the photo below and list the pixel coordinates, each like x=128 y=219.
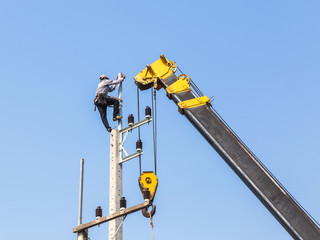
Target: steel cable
x=138 y=103
x=154 y=127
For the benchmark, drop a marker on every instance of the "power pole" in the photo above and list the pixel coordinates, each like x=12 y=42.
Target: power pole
x=117 y=150
x=115 y=188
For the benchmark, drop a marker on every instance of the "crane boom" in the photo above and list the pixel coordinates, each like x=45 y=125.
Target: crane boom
x=197 y=109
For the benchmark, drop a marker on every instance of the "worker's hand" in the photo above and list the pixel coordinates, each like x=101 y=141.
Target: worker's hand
x=123 y=76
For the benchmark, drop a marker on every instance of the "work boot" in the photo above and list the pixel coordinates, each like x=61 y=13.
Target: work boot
x=109 y=129
x=117 y=118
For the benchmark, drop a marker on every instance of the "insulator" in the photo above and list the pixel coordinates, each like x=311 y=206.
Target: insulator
x=123 y=203
x=146 y=194
x=148 y=112
x=130 y=120
x=98 y=212
x=139 y=145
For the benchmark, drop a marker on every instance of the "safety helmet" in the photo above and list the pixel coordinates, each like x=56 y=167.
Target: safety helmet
x=103 y=77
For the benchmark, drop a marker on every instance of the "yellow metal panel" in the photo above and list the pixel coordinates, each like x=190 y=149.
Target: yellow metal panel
x=160 y=69
x=149 y=181
x=195 y=102
x=181 y=85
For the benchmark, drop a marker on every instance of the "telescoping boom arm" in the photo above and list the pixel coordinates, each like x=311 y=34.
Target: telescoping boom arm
x=197 y=109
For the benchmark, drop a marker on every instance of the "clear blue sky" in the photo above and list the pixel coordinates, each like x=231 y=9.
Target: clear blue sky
x=259 y=59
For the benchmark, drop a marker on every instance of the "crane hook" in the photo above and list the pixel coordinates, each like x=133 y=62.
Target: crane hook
x=150 y=213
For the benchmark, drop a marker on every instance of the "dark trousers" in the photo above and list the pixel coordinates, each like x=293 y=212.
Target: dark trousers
x=102 y=107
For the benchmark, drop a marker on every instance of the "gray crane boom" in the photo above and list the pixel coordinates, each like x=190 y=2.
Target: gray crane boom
x=242 y=161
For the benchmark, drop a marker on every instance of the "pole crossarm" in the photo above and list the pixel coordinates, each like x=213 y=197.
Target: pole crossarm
x=135 y=125
x=99 y=221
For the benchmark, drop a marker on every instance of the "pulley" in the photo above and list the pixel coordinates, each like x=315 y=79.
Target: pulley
x=148 y=183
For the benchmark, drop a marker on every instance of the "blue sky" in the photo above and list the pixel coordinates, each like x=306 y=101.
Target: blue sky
x=259 y=59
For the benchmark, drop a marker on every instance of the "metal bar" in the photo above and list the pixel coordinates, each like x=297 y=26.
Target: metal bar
x=120 y=105
x=83 y=234
x=280 y=204
x=135 y=125
x=124 y=139
x=125 y=152
x=113 y=216
x=131 y=156
x=80 y=192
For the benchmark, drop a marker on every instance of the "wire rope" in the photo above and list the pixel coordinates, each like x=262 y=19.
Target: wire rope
x=154 y=126
x=138 y=104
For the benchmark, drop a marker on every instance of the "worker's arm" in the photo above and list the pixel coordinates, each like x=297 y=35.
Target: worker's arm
x=117 y=81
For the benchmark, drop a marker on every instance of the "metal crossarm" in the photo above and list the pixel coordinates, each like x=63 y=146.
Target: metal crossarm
x=135 y=125
x=99 y=221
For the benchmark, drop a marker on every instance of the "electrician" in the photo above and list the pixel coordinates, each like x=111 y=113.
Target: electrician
x=102 y=100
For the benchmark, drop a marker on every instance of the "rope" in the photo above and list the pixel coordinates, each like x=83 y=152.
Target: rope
x=115 y=234
x=151 y=224
x=138 y=104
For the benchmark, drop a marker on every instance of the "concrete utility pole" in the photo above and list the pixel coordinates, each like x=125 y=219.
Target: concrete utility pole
x=115 y=189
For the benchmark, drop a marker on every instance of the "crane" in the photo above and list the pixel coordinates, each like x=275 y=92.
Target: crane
x=197 y=108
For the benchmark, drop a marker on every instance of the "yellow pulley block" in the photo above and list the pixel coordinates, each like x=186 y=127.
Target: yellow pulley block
x=148 y=183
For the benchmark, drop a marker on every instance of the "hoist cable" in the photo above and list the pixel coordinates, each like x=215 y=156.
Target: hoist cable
x=195 y=87
x=156 y=131
x=154 y=128
x=138 y=104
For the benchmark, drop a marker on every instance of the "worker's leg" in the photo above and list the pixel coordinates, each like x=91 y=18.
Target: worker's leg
x=115 y=103
x=103 y=114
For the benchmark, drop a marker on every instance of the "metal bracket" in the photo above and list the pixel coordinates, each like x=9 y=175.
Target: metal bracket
x=126 y=131
x=121 y=213
x=135 y=125
x=148 y=77
x=181 y=85
x=194 y=102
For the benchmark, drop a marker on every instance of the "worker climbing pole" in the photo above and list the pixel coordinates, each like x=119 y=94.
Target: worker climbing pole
x=147 y=180
x=102 y=100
